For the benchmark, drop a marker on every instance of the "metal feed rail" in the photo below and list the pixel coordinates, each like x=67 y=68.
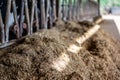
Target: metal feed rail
x=24 y=17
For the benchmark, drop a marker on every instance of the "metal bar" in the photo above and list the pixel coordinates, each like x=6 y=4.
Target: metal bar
x=36 y=16
x=70 y=10
x=66 y=10
x=63 y=9
x=78 y=10
x=2 y=29
x=22 y=17
x=54 y=10
x=81 y=8
x=49 y=14
x=60 y=9
x=3 y=45
x=99 y=13
x=32 y=15
x=47 y=3
x=7 y=44
x=73 y=10
x=15 y=18
x=42 y=10
x=57 y=8
x=27 y=17
x=7 y=20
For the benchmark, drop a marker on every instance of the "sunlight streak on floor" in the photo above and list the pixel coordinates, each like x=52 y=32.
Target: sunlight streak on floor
x=61 y=63
x=74 y=49
x=88 y=34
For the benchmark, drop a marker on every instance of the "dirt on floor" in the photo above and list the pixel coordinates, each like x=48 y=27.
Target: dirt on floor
x=46 y=55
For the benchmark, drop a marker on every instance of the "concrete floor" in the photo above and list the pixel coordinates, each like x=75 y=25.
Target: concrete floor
x=111 y=24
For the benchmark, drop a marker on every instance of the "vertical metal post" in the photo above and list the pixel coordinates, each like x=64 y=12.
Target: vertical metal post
x=54 y=10
x=47 y=13
x=7 y=20
x=15 y=18
x=74 y=10
x=66 y=9
x=47 y=3
x=36 y=16
x=57 y=8
x=63 y=9
x=60 y=9
x=32 y=15
x=27 y=17
x=70 y=9
x=2 y=34
x=22 y=17
x=50 y=13
x=43 y=14
x=99 y=8
x=78 y=10
x=81 y=8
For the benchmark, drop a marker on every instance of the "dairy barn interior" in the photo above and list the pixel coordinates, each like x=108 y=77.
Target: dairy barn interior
x=59 y=40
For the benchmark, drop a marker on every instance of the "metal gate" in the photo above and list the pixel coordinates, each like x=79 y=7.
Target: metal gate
x=19 y=18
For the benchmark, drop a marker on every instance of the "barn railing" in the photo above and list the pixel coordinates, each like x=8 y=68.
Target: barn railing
x=19 y=18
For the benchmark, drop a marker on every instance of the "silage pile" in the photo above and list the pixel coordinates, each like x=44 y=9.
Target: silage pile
x=46 y=56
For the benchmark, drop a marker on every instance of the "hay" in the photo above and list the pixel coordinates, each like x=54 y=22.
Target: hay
x=45 y=56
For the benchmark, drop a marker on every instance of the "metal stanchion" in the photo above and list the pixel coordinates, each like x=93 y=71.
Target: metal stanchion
x=22 y=17
x=7 y=20
x=16 y=27
x=32 y=15
x=2 y=34
x=36 y=17
x=27 y=17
